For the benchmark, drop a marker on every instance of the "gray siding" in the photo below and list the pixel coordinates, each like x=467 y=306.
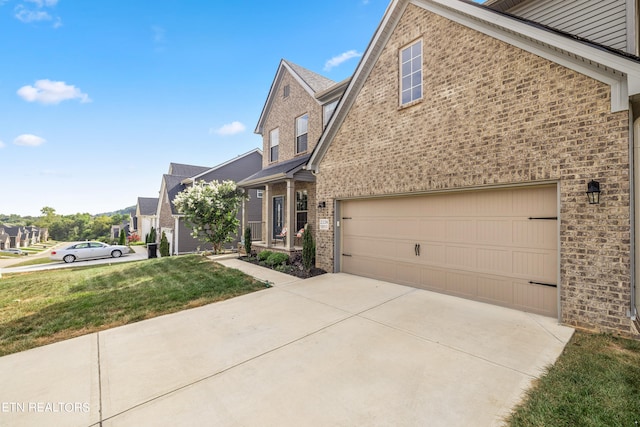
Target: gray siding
x=600 y=21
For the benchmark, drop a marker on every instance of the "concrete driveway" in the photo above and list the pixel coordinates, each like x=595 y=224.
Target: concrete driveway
x=334 y=350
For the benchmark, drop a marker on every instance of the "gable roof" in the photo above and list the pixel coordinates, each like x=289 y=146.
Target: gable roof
x=280 y=170
x=621 y=71
x=185 y=170
x=211 y=173
x=311 y=82
x=148 y=205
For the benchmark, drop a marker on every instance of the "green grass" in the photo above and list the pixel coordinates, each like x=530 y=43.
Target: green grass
x=595 y=382
x=44 y=307
x=33 y=261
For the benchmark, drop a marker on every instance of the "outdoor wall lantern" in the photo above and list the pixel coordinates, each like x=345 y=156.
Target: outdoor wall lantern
x=322 y=205
x=593 y=192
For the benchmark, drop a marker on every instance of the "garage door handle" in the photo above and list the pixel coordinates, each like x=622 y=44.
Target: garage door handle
x=543 y=284
x=346 y=255
x=416 y=249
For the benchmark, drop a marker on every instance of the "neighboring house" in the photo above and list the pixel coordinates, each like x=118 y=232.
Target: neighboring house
x=15 y=236
x=299 y=104
x=180 y=177
x=145 y=216
x=612 y=23
x=115 y=230
x=5 y=240
x=459 y=157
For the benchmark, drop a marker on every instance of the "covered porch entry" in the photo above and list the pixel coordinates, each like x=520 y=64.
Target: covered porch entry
x=288 y=194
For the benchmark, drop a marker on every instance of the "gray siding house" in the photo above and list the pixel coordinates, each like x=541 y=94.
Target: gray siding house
x=181 y=176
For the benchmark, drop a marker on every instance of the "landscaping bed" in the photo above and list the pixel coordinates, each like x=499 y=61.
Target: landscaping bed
x=283 y=263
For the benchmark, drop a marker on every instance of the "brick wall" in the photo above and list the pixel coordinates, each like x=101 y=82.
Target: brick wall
x=493 y=114
x=283 y=114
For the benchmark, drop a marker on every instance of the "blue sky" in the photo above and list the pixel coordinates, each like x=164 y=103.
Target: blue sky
x=97 y=98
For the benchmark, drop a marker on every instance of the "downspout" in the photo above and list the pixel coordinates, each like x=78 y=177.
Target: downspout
x=176 y=236
x=633 y=158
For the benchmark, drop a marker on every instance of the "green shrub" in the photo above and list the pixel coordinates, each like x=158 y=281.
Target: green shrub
x=122 y=239
x=262 y=256
x=308 y=249
x=247 y=240
x=164 y=245
x=277 y=258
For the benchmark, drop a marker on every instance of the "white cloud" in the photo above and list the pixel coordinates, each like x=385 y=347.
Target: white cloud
x=26 y=15
x=337 y=60
x=29 y=140
x=41 y=3
x=232 y=128
x=34 y=11
x=2 y=145
x=51 y=92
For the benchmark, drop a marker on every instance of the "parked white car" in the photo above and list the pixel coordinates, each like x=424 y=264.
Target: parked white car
x=88 y=250
x=14 y=251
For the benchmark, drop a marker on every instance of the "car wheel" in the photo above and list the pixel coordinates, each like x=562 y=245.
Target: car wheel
x=69 y=258
x=116 y=254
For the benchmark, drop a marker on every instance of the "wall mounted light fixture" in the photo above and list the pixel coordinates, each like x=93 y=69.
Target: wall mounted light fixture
x=593 y=192
x=322 y=205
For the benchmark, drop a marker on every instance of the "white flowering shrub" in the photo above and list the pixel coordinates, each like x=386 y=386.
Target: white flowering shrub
x=210 y=210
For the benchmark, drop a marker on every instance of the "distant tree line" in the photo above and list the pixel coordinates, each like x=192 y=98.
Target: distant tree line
x=80 y=226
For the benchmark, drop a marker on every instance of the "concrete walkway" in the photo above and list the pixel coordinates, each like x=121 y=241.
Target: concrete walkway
x=331 y=350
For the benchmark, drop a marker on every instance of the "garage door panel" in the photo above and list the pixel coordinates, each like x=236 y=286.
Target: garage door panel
x=460 y=257
x=540 y=234
x=494 y=260
x=459 y=230
x=537 y=266
x=432 y=230
x=370 y=267
x=494 y=231
x=480 y=245
x=431 y=254
x=535 y=298
x=461 y=284
x=535 y=202
x=378 y=248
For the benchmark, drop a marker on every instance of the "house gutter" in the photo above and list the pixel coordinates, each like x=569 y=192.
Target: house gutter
x=633 y=156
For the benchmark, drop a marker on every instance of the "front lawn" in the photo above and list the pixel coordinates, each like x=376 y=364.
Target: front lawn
x=44 y=307
x=595 y=382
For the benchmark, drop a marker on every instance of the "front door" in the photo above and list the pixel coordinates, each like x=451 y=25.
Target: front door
x=278 y=215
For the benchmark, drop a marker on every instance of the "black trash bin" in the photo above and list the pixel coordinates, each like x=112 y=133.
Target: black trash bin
x=152 y=250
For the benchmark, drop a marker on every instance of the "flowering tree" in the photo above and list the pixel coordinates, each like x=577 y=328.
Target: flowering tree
x=211 y=210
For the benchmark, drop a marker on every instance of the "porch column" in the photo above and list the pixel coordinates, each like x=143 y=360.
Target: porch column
x=245 y=216
x=290 y=220
x=268 y=218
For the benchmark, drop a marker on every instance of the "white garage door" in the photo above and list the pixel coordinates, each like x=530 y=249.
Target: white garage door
x=497 y=246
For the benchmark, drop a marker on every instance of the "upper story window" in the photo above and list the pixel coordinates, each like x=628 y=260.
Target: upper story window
x=327 y=112
x=411 y=73
x=302 y=124
x=274 y=142
x=285 y=91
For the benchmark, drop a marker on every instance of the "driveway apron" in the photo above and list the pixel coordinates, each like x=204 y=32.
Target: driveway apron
x=332 y=350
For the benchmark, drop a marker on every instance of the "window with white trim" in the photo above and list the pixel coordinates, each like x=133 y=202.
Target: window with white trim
x=302 y=124
x=274 y=142
x=411 y=73
x=327 y=111
x=259 y=194
x=302 y=209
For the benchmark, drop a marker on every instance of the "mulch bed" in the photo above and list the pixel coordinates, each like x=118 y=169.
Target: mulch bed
x=295 y=262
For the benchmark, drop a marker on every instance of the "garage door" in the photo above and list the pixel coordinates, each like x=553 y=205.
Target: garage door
x=498 y=246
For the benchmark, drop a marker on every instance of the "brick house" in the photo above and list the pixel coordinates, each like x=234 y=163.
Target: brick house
x=459 y=157
x=298 y=106
x=181 y=176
